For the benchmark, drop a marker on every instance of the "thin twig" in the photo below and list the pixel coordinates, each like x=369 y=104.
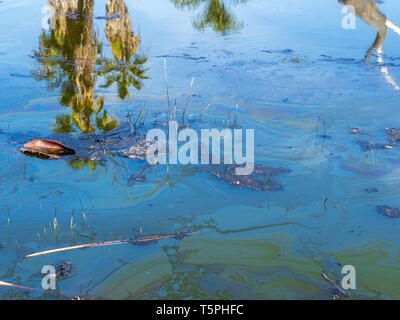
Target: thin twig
x=334 y=284
x=115 y=242
x=6 y=284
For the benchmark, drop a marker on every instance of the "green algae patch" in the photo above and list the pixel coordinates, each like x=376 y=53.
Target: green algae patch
x=377 y=268
x=267 y=267
x=134 y=277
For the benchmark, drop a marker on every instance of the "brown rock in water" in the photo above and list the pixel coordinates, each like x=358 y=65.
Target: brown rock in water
x=389 y=211
x=46 y=149
x=49 y=146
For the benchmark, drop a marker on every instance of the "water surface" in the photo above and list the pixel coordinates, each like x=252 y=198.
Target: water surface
x=300 y=79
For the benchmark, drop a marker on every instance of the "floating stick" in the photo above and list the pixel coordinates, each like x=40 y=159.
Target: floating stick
x=83 y=246
x=6 y=284
x=334 y=284
x=116 y=242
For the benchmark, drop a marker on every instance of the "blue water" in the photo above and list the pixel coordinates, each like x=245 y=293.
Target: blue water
x=300 y=80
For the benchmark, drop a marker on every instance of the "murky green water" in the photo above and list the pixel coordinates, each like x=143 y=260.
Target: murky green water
x=299 y=79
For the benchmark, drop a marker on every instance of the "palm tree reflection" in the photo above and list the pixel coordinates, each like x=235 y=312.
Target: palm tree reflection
x=126 y=69
x=70 y=58
x=215 y=15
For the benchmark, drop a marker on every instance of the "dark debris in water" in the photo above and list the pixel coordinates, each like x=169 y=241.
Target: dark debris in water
x=64 y=270
x=393 y=136
x=259 y=180
x=371 y=190
x=389 y=211
x=123 y=142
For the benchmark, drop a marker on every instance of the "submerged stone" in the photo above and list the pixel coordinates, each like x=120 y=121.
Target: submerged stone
x=388 y=211
x=46 y=149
